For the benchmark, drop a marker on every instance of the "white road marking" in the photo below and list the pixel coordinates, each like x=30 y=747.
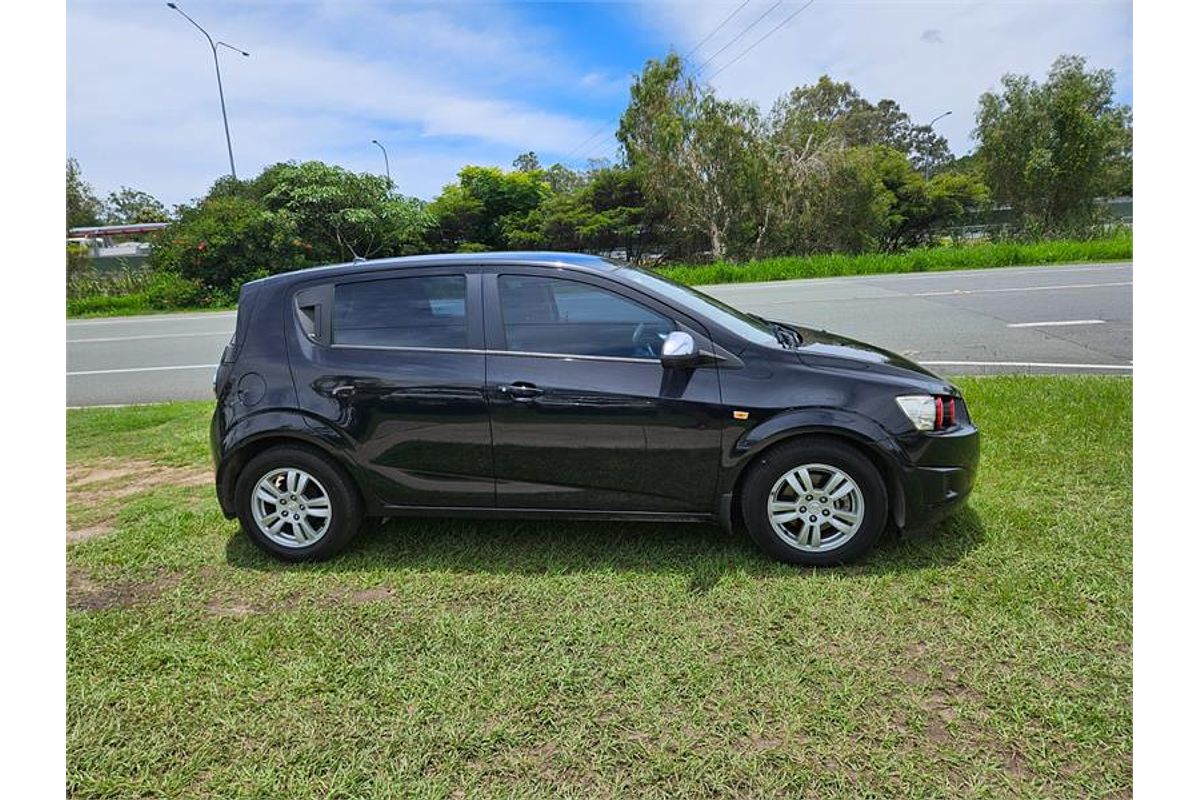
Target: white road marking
x=121 y=405
x=148 y=336
x=1055 y=324
x=1022 y=289
x=1023 y=364
x=140 y=369
x=80 y=323
x=967 y=271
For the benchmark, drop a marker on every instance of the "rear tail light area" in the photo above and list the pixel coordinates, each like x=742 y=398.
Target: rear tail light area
x=929 y=412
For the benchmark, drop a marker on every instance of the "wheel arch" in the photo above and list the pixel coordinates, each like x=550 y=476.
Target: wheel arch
x=874 y=450
x=240 y=446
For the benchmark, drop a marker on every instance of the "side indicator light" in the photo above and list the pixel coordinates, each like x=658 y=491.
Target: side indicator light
x=741 y=415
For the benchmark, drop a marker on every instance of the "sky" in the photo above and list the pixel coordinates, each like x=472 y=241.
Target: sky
x=445 y=84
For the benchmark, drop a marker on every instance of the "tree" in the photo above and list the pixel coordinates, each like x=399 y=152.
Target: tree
x=290 y=216
x=918 y=207
x=127 y=206
x=343 y=214
x=605 y=212
x=830 y=109
x=698 y=157
x=1050 y=149
x=527 y=162
x=476 y=210
x=83 y=207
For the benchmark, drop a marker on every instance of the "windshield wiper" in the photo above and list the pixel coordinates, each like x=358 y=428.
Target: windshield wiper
x=786 y=336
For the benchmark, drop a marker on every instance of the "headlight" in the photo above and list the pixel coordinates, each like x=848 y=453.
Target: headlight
x=921 y=409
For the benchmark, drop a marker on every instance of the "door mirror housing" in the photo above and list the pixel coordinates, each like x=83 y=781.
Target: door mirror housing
x=679 y=350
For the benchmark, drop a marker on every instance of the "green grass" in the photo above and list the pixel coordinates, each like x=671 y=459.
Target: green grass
x=989 y=657
x=125 y=305
x=978 y=256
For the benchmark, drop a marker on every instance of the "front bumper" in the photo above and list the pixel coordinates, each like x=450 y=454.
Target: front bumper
x=940 y=474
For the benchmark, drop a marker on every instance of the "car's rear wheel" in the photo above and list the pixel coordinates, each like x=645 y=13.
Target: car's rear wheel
x=297 y=505
x=814 y=501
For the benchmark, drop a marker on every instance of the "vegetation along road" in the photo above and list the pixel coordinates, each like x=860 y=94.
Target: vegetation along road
x=1070 y=318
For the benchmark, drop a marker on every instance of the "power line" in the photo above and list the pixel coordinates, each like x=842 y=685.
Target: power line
x=738 y=58
x=728 y=64
x=697 y=46
x=743 y=32
x=713 y=32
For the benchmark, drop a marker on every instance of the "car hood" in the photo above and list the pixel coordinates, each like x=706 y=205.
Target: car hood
x=820 y=347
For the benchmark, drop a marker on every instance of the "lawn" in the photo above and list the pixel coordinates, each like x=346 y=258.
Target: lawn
x=988 y=657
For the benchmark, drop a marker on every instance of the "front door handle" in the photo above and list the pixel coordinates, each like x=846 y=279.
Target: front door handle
x=521 y=391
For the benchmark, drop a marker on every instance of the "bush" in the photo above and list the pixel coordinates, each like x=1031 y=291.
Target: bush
x=168 y=290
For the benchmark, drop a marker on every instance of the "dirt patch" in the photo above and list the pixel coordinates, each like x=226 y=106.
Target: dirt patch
x=372 y=595
x=85 y=594
x=94 y=484
x=226 y=608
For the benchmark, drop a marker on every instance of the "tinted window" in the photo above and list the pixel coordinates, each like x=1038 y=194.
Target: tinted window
x=426 y=311
x=552 y=315
x=745 y=325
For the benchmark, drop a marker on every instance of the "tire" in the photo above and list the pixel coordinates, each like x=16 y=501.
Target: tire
x=322 y=529
x=848 y=524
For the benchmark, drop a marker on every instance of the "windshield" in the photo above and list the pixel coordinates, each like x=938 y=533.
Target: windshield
x=743 y=324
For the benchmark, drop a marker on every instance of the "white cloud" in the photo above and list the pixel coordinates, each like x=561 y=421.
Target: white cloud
x=459 y=83
x=928 y=56
x=143 y=110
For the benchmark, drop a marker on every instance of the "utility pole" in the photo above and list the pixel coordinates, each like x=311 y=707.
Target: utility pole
x=220 y=89
x=928 y=166
x=386 y=167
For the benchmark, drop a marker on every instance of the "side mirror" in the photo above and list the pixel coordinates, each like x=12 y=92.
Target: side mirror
x=679 y=350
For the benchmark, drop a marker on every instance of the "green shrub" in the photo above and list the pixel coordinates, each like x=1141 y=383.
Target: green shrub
x=107 y=305
x=167 y=290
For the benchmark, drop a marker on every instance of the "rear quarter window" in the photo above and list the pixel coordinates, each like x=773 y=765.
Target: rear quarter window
x=419 y=311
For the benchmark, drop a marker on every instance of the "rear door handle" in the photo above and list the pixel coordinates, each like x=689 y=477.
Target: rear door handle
x=345 y=390
x=521 y=391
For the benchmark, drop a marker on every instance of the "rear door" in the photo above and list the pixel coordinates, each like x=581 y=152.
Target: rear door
x=395 y=360
x=583 y=414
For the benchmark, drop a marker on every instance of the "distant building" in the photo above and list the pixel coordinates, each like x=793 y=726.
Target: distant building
x=114 y=247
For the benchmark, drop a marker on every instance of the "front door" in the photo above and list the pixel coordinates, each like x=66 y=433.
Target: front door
x=584 y=417
x=400 y=370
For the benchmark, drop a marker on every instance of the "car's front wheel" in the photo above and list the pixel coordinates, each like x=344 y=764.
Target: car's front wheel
x=814 y=501
x=296 y=504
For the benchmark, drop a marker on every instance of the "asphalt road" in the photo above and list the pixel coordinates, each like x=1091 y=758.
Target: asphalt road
x=1076 y=318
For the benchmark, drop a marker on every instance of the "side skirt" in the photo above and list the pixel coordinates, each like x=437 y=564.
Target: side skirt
x=543 y=513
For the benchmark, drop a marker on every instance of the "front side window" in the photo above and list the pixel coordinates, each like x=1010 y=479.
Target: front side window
x=421 y=311
x=553 y=315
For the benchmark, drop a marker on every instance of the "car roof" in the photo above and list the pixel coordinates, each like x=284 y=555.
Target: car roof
x=577 y=261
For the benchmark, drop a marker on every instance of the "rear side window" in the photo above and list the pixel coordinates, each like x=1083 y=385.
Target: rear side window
x=552 y=315
x=421 y=311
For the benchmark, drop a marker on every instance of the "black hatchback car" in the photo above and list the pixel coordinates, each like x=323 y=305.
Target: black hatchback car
x=562 y=385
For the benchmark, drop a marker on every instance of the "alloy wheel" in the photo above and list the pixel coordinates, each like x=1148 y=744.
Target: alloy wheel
x=815 y=508
x=291 y=507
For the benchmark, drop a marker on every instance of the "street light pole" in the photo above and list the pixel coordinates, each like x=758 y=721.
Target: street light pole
x=928 y=166
x=386 y=167
x=220 y=88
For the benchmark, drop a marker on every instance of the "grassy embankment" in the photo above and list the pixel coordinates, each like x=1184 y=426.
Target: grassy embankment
x=977 y=256
x=989 y=657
